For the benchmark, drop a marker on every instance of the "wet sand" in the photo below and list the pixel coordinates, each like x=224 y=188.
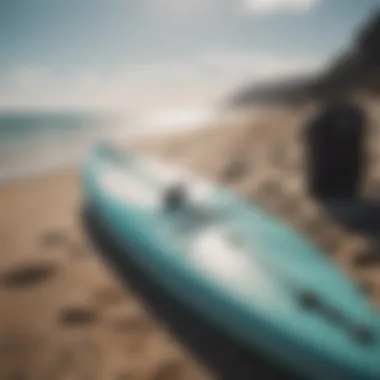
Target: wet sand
x=65 y=315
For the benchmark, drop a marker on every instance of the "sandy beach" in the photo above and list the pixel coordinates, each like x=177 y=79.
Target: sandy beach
x=64 y=314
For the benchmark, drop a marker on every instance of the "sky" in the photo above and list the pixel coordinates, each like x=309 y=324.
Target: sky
x=143 y=55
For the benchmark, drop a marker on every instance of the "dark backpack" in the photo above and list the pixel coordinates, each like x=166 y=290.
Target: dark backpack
x=335 y=153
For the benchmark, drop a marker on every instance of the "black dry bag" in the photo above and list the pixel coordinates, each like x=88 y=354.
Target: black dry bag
x=334 y=146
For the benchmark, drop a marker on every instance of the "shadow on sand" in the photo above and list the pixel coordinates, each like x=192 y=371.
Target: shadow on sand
x=358 y=214
x=225 y=358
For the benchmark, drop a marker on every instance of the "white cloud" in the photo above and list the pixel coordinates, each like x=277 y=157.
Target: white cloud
x=270 y=6
x=145 y=88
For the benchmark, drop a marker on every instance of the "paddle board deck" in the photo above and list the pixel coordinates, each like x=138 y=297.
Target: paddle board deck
x=243 y=269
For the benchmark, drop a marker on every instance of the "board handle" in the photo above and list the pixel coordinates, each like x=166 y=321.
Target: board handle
x=175 y=197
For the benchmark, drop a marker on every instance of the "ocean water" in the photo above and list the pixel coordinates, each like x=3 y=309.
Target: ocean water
x=35 y=142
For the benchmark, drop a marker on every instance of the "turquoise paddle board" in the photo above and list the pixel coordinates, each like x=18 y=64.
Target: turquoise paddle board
x=242 y=269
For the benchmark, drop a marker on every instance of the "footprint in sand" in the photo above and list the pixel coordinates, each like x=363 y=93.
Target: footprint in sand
x=134 y=332
x=54 y=238
x=234 y=172
x=17 y=376
x=77 y=316
x=77 y=250
x=28 y=274
x=127 y=324
x=317 y=226
x=110 y=296
x=290 y=206
x=134 y=346
x=368 y=258
x=269 y=189
x=60 y=238
x=328 y=242
x=70 y=361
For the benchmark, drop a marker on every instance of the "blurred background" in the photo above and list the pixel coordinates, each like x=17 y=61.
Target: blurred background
x=167 y=74
x=71 y=72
